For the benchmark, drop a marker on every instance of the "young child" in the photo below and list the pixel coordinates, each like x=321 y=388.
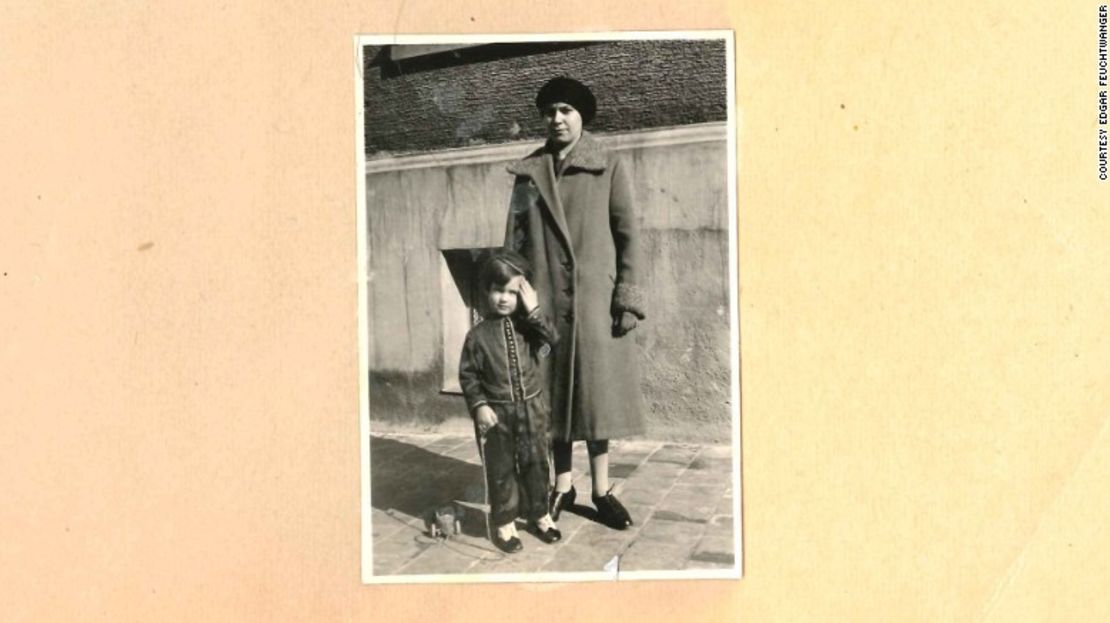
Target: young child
x=502 y=382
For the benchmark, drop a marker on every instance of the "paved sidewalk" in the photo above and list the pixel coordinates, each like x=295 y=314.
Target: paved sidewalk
x=679 y=495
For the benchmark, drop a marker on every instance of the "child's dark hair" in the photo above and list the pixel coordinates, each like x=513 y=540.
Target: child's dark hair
x=502 y=266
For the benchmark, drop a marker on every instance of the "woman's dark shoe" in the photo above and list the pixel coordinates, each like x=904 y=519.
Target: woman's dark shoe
x=611 y=512
x=549 y=536
x=559 y=501
x=510 y=546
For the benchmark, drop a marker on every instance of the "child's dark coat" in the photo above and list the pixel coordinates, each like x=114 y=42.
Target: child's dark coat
x=500 y=368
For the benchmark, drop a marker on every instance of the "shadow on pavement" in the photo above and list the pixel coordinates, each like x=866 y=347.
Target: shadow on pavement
x=408 y=479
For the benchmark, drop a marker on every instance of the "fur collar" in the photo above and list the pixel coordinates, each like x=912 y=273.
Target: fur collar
x=588 y=154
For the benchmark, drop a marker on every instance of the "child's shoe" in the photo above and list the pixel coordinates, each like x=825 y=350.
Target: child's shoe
x=546 y=530
x=511 y=546
x=506 y=539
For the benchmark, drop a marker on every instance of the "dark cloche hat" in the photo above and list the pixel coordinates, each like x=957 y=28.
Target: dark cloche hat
x=568 y=91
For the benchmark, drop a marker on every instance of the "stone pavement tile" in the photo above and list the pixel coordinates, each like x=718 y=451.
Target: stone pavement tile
x=671 y=532
x=634 y=445
x=689 y=503
x=384 y=488
x=621 y=469
x=410 y=525
x=680 y=454
x=420 y=441
x=406 y=498
x=675 y=493
x=696 y=474
x=719 y=526
x=534 y=555
x=703 y=460
x=717 y=487
x=571 y=557
x=441 y=486
x=666 y=515
x=713 y=487
x=486 y=558
x=570 y=520
x=658 y=478
x=717 y=482
x=598 y=536
x=381 y=523
x=387 y=463
x=664 y=458
x=725 y=506
x=465 y=452
x=401 y=437
x=632 y=451
x=639 y=513
x=385 y=525
x=441 y=557
x=594 y=532
x=387 y=448
x=656 y=556
x=447 y=443
x=713 y=553
x=657 y=475
x=415 y=500
x=632 y=454
x=712 y=492
x=716 y=452
x=640 y=496
x=393 y=553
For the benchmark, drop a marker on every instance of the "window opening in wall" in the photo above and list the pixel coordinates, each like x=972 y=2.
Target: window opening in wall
x=461 y=296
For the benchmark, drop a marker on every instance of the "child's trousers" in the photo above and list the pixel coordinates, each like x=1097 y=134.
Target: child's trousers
x=517 y=473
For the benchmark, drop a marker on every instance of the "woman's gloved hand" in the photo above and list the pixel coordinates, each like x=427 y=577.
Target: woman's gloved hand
x=623 y=322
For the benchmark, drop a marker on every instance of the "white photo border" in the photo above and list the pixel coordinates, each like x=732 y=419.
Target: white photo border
x=732 y=125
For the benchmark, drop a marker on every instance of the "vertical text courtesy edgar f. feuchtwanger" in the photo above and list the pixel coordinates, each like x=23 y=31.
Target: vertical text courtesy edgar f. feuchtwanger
x=1102 y=84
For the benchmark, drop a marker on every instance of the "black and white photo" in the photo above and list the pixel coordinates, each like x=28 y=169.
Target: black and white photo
x=548 y=307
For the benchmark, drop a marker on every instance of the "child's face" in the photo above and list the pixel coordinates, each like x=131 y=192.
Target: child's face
x=503 y=298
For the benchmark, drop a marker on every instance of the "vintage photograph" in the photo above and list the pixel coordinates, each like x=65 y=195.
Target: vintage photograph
x=548 y=307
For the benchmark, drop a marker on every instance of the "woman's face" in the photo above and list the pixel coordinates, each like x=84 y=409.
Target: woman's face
x=564 y=124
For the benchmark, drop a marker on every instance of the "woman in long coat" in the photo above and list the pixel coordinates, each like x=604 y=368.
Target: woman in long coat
x=572 y=215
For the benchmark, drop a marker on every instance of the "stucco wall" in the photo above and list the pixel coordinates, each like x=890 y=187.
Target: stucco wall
x=489 y=99
x=681 y=193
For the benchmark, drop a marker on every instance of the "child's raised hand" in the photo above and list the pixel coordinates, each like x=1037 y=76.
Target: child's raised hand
x=528 y=296
x=485 y=418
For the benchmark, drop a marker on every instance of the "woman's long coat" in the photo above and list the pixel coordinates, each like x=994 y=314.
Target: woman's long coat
x=580 y=232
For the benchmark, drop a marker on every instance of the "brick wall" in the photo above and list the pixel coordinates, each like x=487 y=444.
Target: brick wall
x=485 y=95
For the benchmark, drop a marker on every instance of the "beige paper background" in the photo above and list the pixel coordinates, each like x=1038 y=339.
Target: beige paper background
x=924 y=270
